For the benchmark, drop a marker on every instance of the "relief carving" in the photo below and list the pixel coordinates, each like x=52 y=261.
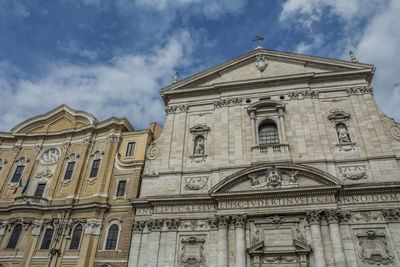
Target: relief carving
x=395 y=132
x=195 y=183
x=38 y=147
x=366 y=216
x=172 y=224
x=65 y=145
x=192 y=252
x=273 y=180
x=314 y=94
x=314 y=216
x=16 y=148
x=155 y=225
x=88 y=141
x=152 y=152
x=3 y=162
x=22 y=161
x=44 y=174
x=391 y=215
x=137 y=226
x=354 y=172
x=228 y=102
x=374 y=248
x=261 y=62
x=359 y=90
x=49 y=156
x=113 y=138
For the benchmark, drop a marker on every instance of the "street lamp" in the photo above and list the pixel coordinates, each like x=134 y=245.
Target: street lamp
x=59 y=225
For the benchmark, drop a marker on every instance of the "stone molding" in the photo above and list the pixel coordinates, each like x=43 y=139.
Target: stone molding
x=138 y=226
x=332 y=216
x=22 y=161
x=88 y=141
x=172 y=224
x=93 y=226
x=72 y=157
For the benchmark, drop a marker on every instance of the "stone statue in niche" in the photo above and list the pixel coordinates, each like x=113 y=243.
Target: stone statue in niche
x=343 y=133
x=199 y=146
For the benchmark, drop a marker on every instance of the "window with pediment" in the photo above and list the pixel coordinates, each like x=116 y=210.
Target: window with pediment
x=69 y=169
x=96 y=160
x=267 y=118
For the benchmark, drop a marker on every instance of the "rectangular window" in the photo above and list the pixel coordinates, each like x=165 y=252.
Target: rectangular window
x=40 y=190
x=121 y=188
x=46 y=241
x=69 y=171
x=130 y=149
x=17 y=174
x=95 y=168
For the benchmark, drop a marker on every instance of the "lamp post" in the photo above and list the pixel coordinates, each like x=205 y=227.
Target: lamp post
x=60 y=225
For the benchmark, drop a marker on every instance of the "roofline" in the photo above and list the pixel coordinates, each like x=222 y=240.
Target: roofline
x=244 y=57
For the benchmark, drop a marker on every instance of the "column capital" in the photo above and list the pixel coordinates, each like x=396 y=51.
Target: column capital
x=223 y=221
x=391 y=215
x=173 y=224
x=138 y=226
x=239 y=220
x=314 y=216
x=332 y=216
x=155 y=225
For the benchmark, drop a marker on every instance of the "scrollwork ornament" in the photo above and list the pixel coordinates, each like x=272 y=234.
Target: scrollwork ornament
x=152 y=152
x=395 y=132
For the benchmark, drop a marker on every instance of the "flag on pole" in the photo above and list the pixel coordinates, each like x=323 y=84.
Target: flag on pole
x=18 y=186
x=26 y=185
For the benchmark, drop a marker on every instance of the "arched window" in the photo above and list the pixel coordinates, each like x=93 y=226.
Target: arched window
x=268 y=133
x=76 y=237
x=12 y=242
x=112 y=237
x=47 y=237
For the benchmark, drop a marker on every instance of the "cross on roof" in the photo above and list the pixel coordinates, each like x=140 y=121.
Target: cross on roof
x=258 y=39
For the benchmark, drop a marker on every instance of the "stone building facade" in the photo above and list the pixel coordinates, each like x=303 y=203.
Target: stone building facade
x=82 y=173
x=271 y=159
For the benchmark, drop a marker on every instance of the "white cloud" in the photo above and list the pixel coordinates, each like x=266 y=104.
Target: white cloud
x=127 y=87
x=375 y=42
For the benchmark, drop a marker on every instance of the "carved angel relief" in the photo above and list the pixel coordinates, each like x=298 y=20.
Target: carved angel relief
x=49 y=156
x=273 y=180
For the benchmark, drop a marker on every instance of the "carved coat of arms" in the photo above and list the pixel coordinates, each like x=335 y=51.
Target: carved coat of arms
x=261 y=62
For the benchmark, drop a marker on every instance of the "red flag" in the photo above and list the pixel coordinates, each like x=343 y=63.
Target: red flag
x=18 y=186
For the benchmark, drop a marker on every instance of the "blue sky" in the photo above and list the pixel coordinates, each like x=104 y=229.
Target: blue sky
x=111 y=57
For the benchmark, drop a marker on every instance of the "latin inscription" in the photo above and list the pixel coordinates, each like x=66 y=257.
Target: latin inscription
x=369 y=198
x=274 y=202
x=271 y=202
x=184 y=208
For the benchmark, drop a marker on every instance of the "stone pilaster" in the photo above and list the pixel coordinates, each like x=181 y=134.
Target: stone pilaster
x=137 y=228
x=332 y=216
x=314 y=219
x=223 y=223
x=240 y=224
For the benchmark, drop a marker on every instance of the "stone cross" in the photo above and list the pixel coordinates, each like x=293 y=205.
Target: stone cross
x=258 y=39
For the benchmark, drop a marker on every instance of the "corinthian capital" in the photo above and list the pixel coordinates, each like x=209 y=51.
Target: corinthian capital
x=314 y=216
x=332 y=216
x=223 y=221
x=239 y=220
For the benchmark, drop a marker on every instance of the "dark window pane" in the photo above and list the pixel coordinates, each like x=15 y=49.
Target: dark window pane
x=268 y=134
x=121 y=188
x=17 y=174
x=112 y=237
x=40 y=190
x=69 y=171
x=1 y=168
x=76 y=237
x=12 y=243
x=46 y=241
x=130 y=149
x=95 y=168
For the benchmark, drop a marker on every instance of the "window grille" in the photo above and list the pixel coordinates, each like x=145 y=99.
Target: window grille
x=268 y=134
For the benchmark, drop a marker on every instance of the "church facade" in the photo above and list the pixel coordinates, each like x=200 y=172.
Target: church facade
x=271 y=159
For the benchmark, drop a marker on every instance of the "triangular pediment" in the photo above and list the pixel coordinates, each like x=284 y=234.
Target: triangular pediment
x=59 y=119
x=266 y=64
x=275 y=178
